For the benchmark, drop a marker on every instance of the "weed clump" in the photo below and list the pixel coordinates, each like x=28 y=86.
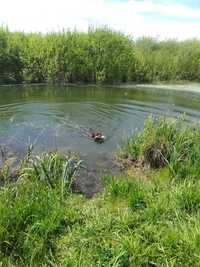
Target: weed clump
x=53 y=169
x=156 y=155
x=168 y=143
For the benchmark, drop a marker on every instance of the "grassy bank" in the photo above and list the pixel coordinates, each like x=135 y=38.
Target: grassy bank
x=100 y=55
x=166 y=143
x=134 y=222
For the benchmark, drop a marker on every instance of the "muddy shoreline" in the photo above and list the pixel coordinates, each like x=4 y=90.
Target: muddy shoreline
x=88 y=181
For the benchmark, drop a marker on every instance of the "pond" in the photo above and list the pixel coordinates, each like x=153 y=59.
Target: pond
x=54 y=117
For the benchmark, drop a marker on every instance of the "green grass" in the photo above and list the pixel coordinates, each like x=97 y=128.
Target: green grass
x=144 y=226
x=133 y=222
x=34 y=210
x=53 y=169
x=166 y=142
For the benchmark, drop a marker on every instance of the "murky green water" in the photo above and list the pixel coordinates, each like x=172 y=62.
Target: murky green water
x=53 y=117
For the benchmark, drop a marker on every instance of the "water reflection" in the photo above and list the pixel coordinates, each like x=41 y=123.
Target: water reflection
x=51 y=116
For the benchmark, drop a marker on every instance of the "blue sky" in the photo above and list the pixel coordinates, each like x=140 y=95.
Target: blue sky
x=178 y=19
x=190 y=3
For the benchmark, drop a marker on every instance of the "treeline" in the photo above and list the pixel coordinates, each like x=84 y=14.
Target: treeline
x=100 y=55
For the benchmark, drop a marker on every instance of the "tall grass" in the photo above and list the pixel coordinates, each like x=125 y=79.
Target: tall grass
x=32 y=216
x=168 y=143
x=133 y=222
x=100 y=55
x=53 y=169
x=145 y=225
x=34 y=210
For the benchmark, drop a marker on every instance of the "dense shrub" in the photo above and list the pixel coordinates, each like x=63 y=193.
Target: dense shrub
x=100 y=55
x=10 y=61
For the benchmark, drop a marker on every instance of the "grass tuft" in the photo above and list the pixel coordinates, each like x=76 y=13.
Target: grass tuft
x=166 y=142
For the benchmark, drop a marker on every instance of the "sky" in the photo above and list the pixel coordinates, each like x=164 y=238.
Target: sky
x=162 y=19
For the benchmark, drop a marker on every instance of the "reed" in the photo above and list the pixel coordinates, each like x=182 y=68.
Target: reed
x=98 y=56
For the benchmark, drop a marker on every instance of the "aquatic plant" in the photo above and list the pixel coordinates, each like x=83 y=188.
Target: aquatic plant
x=54 y=169
x=7 y=172
x=4 y=173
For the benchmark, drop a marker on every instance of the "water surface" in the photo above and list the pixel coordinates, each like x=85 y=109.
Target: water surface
x=51 y=117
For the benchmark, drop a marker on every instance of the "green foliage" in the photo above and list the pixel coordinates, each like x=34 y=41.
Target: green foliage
x=167 y=142
x=4 y=173
x=33 y=209
x=133 y=223
x=189 y=197
x=100 y=55
x=10 y=61
x=118 y=187
x=146 y=226
x=32 y=216
x=167 y=60
x=53 y=169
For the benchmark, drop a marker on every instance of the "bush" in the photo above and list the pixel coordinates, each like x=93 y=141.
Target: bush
x=100 y=55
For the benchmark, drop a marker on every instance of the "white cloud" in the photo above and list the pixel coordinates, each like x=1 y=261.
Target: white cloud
x=129 y=16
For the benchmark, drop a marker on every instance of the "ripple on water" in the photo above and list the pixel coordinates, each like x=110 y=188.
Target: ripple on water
x=56 y=119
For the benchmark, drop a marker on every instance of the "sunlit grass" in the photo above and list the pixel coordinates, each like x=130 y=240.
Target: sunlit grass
x=170 y=143
x=133 y=222
x=143 y=226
